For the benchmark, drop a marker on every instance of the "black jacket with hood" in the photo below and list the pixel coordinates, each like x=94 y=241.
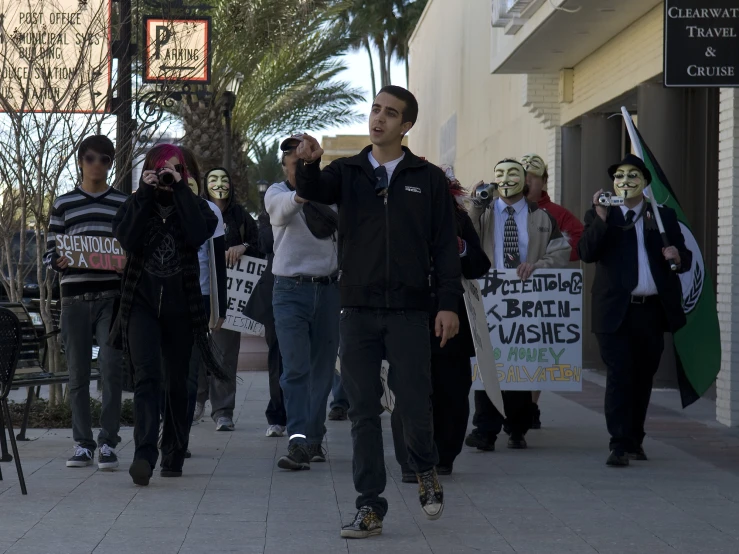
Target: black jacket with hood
x=386 y=243
x=239 y=225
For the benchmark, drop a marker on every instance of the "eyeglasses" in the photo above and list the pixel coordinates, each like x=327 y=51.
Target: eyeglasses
x=92 y=158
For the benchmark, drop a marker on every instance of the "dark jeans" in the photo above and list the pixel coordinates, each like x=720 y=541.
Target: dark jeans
x=80 y=321
x=632 y=356
x=401 y=338
x=306 y=320
x=452 y=378
x=339 y=399
x=276 y=408
x=160 y=354
x=518 y=408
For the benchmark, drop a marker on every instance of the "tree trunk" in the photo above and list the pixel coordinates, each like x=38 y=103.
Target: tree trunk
x=368 y=47
x=384 y=70
x=407 y=70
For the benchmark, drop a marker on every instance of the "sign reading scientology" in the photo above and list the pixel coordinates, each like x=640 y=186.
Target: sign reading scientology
x=701 y=46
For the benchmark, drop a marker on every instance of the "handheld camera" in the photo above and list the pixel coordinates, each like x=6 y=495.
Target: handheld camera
x=166 y=179
x=485 y=192
x=610 y=199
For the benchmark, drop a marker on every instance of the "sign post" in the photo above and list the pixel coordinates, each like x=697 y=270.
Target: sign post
x=701 y=43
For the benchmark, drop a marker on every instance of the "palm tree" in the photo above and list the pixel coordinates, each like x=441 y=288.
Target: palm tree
x=286 y=52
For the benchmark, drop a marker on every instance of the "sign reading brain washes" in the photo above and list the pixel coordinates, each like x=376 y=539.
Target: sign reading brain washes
x=535 y=329
x=83 y=252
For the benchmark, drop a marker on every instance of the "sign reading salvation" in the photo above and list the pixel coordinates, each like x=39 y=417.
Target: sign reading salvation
x=240 y=282
x=535 y=328
x=177 y=49
x=89 y=252
x=701 y=43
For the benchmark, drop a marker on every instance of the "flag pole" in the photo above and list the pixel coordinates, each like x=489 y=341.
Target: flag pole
x=655 y=207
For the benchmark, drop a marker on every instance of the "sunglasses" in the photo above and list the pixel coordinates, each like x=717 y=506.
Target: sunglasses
x=102 y=158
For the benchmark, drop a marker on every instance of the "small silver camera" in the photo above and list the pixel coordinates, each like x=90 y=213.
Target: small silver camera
x=610 y=199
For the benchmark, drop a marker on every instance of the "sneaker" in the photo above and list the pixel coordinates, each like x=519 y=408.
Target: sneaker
x=639 y=455
x=536 y=418
x=408 y=476
x=517 y=442
x=444 y=469
x=141 y=472
x=224 y=424
x=338 y=414
x=317 y=453
x=188 y=454
x=107 y=458
x=275 y=431
x=297 y=457
x=199 y=412
x=367 y=523
x=481 y=441
x=617 y=458
x=430 y=494
x=82 y=457
x=166 y=472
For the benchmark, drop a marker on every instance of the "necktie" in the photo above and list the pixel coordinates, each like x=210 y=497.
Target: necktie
x=381 y=182
x=511 y=257
x=631 y=274
x=630 y=217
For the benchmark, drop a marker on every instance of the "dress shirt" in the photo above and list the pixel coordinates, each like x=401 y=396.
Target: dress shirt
x=646 y=285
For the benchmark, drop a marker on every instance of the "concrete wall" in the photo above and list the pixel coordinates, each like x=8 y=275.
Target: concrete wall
x=450 y=75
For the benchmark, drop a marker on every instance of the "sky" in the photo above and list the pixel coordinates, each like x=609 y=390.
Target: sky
x=357 y=75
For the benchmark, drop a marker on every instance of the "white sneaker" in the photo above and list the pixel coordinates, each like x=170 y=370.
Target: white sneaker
x=82 y=457
x=225 y=424
x=275 y=431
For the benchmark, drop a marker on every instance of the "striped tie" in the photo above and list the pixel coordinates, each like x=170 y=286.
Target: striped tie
x=511 y=257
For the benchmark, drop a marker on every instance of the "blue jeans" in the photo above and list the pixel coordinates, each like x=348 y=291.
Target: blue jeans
x=339 y=395
x=307 y=324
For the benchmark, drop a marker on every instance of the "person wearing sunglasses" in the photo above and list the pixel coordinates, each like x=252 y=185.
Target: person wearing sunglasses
x=88 y=303
x=162 y=314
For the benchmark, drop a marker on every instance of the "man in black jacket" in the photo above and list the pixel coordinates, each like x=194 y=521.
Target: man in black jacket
x=636 y=299
x=395 y=215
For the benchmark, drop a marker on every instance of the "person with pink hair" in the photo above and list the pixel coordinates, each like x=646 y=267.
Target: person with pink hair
x=161 y=313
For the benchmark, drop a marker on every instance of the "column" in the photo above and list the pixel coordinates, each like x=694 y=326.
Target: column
x=600 y=148
x=570 y=187
x=727 y=385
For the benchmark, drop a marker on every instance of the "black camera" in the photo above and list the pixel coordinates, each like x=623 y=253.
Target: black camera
x=610 y=199
x=166 y=179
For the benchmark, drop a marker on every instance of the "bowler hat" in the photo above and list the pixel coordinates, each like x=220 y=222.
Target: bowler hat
x=637 y=162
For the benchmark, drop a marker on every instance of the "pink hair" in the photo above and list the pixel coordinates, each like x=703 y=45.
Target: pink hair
x=157 y=158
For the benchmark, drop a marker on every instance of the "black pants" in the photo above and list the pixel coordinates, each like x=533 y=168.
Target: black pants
x=518 y=408
x=632 y=356
x=451 y=380
x=155 y=342
x=402 y=338
x=276 y=408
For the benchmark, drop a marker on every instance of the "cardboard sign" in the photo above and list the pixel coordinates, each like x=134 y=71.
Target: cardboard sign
x=90 y=252
x=535 y=329
x=388 y=398
x=240 y=282
x=484 y=375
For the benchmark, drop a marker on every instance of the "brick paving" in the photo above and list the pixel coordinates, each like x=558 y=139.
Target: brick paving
x=556 y=497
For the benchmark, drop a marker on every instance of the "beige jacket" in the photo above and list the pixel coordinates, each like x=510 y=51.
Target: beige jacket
x=548 y=248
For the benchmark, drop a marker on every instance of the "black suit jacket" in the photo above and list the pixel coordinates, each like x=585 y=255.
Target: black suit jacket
x=259 y=306
x=616 y=270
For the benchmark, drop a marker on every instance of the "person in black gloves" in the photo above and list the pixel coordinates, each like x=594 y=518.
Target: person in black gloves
x=161 y=313
x=451 y=371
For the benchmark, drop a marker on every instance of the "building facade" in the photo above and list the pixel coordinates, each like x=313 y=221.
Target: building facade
x=550 y=76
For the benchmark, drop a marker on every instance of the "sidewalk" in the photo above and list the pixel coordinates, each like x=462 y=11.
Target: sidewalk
x=556 y=497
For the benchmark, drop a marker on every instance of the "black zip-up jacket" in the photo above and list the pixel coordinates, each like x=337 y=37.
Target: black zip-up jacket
x=386 y=243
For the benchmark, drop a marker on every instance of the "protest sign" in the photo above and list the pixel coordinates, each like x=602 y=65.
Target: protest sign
x=90 y=252
x=240 y=282
x=485 y=373
x=535 y=329
x=388 y=398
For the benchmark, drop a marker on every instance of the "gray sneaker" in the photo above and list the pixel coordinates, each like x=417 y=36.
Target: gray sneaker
x=199 y=411
x=275 y=431
x=224 y=424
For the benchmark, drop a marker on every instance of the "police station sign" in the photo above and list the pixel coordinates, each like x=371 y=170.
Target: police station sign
x=701 y=43
x=177 y=49
x=55 y=55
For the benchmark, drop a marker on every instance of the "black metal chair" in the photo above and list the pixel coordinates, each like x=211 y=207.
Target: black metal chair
x=11 y=338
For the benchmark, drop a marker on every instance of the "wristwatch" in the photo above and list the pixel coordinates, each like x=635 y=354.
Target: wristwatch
x=246 y=246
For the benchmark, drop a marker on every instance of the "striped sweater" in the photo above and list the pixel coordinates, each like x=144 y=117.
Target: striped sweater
x=80 y=213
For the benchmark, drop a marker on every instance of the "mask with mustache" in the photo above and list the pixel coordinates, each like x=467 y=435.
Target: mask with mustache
x=628 y=181
x=219 y=184
x=510 y=177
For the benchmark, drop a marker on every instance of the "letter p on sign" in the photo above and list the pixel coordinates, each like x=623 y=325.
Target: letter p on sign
x=163 y=34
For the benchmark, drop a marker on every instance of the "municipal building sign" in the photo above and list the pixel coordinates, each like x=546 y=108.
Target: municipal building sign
x=701 y=43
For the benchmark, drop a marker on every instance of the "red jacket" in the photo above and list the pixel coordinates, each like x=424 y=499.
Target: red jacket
x=570 y=226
